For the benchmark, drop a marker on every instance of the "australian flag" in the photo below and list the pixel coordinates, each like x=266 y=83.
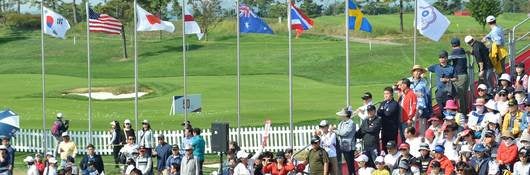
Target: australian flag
x=249 y=22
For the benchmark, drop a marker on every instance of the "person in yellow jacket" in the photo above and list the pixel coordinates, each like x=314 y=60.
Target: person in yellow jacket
x=66 y=148
x=498 y=52
x=512 y=119
x=381 y=168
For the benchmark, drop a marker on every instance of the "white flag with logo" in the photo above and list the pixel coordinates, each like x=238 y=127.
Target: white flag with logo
x=191 y=26
x=149 y=22
x=54 y=24
x=430 y=22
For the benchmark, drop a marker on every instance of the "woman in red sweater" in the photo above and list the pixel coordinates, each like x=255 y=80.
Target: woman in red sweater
x=280 y=167
x=507 y=152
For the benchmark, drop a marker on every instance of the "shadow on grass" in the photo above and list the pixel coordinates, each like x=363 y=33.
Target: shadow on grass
x=4 y=40
x=191 y=47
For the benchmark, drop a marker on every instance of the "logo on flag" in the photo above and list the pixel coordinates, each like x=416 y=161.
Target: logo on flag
x=56 y=24
x=9 y=123
x=149 y=22
x=249 y=22
x=356 y=18
x=103 y=23
x=430 y=22
x=191 y=26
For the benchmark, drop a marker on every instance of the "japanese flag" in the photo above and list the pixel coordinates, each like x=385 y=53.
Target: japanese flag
x=149 y=22
x=54 y=24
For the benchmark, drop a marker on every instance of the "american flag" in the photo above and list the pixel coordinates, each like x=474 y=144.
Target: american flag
x=103 y=23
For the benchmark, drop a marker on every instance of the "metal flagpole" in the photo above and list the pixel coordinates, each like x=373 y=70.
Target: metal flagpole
x=291 y=125
x=415 y=27
x=89 y=75
x=238 y=81
x=44 y=138
x=135 y=70
x=346 y=17
x=184 y=60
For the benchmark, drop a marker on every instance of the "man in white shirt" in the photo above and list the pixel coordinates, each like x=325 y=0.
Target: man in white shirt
x=328 y=140
x=392 y=155
x=361 y=111
x=413 y=140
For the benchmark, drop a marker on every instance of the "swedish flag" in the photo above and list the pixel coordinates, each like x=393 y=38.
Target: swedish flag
x=357 y=21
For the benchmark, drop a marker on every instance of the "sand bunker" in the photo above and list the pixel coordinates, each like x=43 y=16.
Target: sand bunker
x=110 y=96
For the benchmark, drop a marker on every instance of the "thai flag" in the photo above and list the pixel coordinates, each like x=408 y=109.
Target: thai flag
x=299 y=21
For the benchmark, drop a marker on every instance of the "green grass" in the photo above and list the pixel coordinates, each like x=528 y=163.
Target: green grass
x=318 y=66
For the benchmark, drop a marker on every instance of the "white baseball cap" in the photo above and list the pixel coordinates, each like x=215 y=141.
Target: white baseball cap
x=52 y=160
x=482 y=86
x=242 y=154
x=362 y=158
x=60 y=115
x=490 y=18
x=323 y=123
x=127 y=121
x=28 y=159
x=64 y=134
x=468 y=39
x=380 y=159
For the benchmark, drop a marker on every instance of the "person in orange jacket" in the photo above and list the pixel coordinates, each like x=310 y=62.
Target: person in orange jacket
x=446 y=165
x=507 y=153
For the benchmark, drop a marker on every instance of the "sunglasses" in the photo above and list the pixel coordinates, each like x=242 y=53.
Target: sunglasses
x=459 y=169
x=502 y=95
x=131 y=138
x=482 y=90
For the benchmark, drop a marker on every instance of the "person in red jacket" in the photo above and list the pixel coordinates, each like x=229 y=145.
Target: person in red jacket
x=280 y=167
x=507 y=153
x=445 y=164
x=39 y=163
x=408 y=104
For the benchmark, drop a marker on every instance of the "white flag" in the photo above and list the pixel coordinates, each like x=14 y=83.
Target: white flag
x=430 y=22
x=56 y=25
x=149 y=22
x=191 y=26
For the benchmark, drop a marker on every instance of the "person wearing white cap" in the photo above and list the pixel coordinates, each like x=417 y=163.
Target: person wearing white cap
x=498 y=52
x=59 y=126
x=66 y=148
x=30 y=163
x=328 y=142
x=146 y=137
x=127 y=130
x=380 y=167
x=51 y=169
x=242 y=167
x=363 y=168
x=189 y=164
x=481 y=54
x=482 y=92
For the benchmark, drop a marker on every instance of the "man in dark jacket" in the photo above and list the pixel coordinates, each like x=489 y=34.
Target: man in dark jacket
x=369 y=133
x=481 y=162
x=91 y=157
x=459 y=62
x=481 y=54
x=389 y=113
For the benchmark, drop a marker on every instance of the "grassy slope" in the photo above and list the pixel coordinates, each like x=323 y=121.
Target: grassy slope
x=318 y=65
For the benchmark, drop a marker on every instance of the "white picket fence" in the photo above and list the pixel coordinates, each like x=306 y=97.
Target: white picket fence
x=31 y=140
